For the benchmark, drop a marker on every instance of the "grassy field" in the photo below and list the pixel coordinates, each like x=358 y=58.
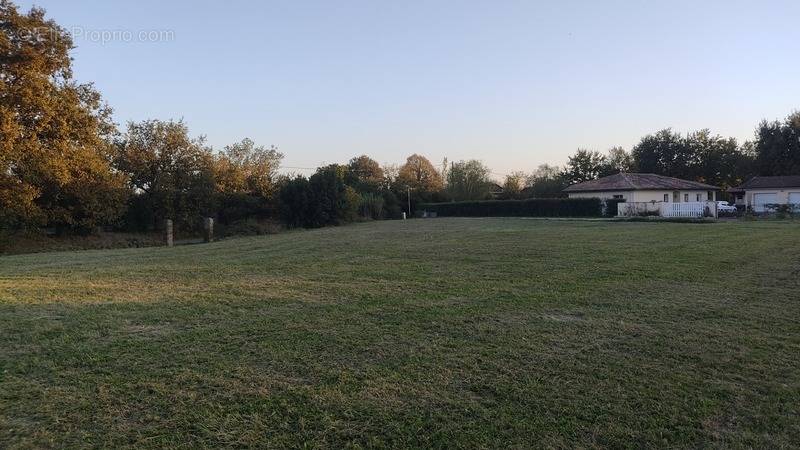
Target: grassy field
x=426 y=333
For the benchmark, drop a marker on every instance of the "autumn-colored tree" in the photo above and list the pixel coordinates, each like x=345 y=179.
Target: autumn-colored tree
x=364 y=174
x=244 y=167
x=55 y=149
x=419 y=174
x=171 y=173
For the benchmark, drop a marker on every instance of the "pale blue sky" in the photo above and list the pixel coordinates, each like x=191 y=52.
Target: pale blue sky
x=512 y=83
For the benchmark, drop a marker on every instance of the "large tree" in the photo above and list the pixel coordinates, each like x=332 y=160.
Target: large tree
x=545 y=182
x=55 y=148
x=777 y=146
x=513 y=185
x=419 y=174
x=664 y=153
x=584 y=165
x=365 y=174
x=323 y=199
x=616 y=161
x=717 y=160
x=244 y=167
x=171 y=173
x=468 y=180
x=698 y=156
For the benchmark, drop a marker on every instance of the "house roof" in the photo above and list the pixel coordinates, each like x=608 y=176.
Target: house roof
x=638 y=182
x=787 y=181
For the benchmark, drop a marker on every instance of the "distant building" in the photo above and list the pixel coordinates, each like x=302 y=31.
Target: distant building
x=495 y=190
x=759 y=192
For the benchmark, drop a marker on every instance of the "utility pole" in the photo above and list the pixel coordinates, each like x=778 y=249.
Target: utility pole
x=409 y=201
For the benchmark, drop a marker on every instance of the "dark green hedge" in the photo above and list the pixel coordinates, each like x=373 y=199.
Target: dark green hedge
x=533 y=207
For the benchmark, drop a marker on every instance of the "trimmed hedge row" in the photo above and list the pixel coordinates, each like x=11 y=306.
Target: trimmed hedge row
x=533 y=207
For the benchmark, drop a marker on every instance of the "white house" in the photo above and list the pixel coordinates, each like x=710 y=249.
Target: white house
x=644 y=188
x=651 y=194
x=759 y=192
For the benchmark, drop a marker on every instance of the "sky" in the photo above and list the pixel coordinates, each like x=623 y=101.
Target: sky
x=514 y=84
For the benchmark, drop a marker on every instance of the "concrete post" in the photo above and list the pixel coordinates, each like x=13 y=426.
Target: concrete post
x=168 y=232
x=208 y=227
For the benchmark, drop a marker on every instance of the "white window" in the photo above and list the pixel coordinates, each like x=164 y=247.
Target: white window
x=686 y=198
x=699 y=197
x=666 y=198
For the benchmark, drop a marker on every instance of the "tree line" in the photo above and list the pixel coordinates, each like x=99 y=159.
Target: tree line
x=65 y=164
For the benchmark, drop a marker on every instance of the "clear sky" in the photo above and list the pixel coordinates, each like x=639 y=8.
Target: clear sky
x=512 y=83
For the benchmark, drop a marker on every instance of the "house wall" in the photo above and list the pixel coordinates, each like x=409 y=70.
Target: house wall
x=627 y=195
x=645 y=196
x=781 y=194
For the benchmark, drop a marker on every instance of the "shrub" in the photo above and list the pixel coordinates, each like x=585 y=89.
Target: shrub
x=318 y=201
x=296 y=199
x=392 y=208
x=537 y=207
x=371 y=206
x=234 y=207
x=611 y=206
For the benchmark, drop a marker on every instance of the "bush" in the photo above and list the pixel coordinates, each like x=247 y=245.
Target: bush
x=392 y=208
x=371 y=206
x=235 y=207
x=537 y=207
x=611 y=206
x=318 y=201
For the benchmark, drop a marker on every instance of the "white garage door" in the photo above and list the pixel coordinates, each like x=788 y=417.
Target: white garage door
x=759 y=200
x=794 y=200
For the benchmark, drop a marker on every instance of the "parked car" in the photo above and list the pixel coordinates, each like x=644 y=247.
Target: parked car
x=725 y=208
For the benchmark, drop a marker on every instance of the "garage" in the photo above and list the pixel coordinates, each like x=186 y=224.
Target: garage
x=759 y=200
x=760 y=191
x=794 y=200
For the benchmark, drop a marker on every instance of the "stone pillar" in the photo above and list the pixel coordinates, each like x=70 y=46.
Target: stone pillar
x=208 y=227
x=168 y=232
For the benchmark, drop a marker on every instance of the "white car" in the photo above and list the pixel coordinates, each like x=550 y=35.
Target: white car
x=725 y=207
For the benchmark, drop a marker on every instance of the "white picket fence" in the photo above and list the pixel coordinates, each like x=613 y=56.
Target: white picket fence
x=665 y=209
x=689 y=209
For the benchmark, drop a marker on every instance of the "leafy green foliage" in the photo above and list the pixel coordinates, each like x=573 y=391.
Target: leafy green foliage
x=584 y=165
x=171 y=174
x=468 y=180
x=324 y=199
x=777 y=146
x=611 y=206
x=698 y=156
x=371 y=206
x=546 y=182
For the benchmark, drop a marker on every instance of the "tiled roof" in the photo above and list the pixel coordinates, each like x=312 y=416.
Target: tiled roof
x=638 y=182
x=786 y=181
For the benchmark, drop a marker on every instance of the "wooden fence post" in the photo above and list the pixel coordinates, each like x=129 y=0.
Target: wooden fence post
x=208 y=226
x=168 y=232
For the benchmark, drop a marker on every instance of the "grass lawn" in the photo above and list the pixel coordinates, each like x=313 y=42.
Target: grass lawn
x=488 y=333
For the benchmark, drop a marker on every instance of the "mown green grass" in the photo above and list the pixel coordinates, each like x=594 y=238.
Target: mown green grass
x=473 y=333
